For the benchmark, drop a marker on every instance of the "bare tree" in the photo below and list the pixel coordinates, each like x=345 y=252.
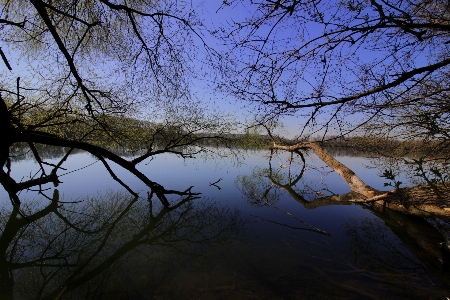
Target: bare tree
x=97 y=75
x=341 y=65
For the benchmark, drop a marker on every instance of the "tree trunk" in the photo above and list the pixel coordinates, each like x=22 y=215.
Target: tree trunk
x=355 y=183
x=413 y=200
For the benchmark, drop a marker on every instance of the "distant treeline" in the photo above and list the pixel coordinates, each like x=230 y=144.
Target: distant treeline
x=357 y=145
x=389 y=146
x=128 y=136
x=241 y=141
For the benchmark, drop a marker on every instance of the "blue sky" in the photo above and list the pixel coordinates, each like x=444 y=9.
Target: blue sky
x=215 y=15
x=376 y=53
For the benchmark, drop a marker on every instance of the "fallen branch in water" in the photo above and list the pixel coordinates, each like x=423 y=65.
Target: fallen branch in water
x=375 y=198
x=413 y=200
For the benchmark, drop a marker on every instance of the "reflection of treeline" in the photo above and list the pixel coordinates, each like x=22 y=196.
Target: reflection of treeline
x=158 y=139
x=348 y=146
x=22 y=151
x=349 y=151
x=384 y=145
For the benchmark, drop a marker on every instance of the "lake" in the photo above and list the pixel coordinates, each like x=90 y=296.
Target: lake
x=260 y=229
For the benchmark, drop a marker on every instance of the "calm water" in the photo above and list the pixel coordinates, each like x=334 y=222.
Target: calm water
x=261 y=232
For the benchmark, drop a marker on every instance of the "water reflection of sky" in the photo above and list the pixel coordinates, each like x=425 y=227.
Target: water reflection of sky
x=175 y=173
x=84 y=176
x=281 y=251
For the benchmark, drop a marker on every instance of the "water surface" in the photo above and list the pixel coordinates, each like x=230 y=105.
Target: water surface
x=257 y=231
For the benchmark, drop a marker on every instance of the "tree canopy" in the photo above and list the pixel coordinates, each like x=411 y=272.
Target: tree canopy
x=97 y=75
x=374 y=67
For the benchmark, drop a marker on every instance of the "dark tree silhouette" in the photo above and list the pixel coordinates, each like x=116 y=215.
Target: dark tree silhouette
x=100 y=75
x=376 y=67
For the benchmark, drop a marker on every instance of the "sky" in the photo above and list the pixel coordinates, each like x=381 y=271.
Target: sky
x=214 y=15
x=346 y=62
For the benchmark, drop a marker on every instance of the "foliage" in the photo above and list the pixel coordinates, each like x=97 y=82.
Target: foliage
x=435 y=176
x=98 y=75
x=390 y=175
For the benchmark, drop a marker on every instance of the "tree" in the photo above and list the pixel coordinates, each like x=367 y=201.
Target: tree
x=97 y=75
x=379 y=67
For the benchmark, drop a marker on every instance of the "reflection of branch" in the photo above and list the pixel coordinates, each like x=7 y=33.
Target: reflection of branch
x=335 y=199
x=418 y=235
x=292 y=227
x=214 y=183
x=155 y=231
x=301 y=221
x=13 y=227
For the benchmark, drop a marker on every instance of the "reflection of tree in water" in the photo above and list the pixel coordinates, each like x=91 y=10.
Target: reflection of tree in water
x=264 y=187
x=260 y=186
x=266 y=184
x=401 y=256
x=395 y=251
x=257 y=188
x=374 y=246
x=111 y=247
x=22 y=151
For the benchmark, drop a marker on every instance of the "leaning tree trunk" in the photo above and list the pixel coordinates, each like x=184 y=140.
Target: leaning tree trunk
x=355 y=183
x=414 y=200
